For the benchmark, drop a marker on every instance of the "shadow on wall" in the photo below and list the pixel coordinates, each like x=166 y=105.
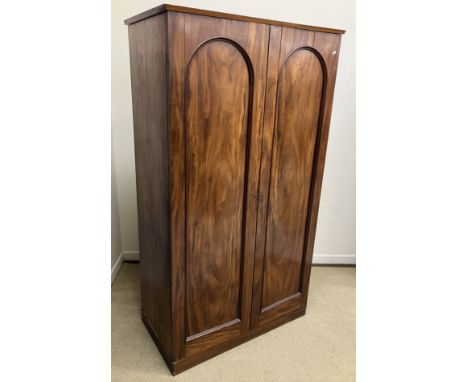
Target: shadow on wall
x=124 y=208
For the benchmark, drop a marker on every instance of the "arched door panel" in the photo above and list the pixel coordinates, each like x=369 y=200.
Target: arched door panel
x=218 y=88
x=218 y=95
x=293 y=109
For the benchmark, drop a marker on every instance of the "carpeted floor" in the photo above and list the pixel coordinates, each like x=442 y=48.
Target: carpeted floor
x=317 y=347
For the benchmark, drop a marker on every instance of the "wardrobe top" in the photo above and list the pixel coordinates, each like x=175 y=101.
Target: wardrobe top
x=176 y=8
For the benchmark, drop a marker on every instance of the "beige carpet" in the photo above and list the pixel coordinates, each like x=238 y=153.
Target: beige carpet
x=317 y=347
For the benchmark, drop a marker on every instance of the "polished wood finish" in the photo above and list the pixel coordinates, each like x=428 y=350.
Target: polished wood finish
x=175 y=72
x=231 y=121
x=147 y=61
x=328 y=48
x=194 y=11
x=291 y=171
x=294 y=108
x=247 y=43
x=217 y=109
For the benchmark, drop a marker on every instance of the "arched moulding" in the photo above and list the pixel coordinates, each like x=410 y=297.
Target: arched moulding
x=227 y=41
x=218 y=103
x=300 y=93
x=317 y=55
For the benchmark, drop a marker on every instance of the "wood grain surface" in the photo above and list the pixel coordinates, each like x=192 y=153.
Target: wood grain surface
x=294 y=110
x=328 y=47
x=218 y=95
x=229 y=16
x=214 y=110
x=297 y=114
x=148 y=66
x=231 y=122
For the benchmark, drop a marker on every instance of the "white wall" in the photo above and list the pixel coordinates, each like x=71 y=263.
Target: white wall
x=116 y=241
x=336 y=222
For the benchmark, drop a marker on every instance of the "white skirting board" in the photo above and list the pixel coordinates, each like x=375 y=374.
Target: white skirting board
x=124 y=256
x=343 y=259
x=131 y=255
x=116 y=268
x=318 y=258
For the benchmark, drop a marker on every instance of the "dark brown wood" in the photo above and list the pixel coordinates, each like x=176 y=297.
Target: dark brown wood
x=269 y=115
x=300 y=79
x=328 y=47
x=238 y=118
x=293 y=109
x=231 y=120
x=217 y=100
x=177 y=8
x=175 y=73
x=177 y=367
x=148 y=67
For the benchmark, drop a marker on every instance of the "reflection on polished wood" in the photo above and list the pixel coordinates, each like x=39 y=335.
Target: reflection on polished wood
x=231 y=120
x=217 y=103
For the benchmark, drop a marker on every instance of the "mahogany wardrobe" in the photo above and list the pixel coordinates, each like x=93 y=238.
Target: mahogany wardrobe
x=231 y=118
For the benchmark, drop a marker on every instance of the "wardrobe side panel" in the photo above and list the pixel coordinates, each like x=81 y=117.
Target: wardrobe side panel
x=148 y=71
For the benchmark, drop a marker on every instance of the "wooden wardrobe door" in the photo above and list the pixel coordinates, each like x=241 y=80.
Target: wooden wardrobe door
x=289 y=182
x=221 y=92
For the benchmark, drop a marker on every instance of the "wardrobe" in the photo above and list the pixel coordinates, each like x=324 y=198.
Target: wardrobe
x=231 y=119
